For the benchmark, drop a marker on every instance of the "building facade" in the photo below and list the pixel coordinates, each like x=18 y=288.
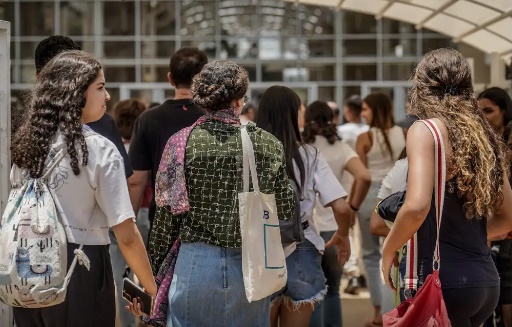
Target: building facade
x=322 y=53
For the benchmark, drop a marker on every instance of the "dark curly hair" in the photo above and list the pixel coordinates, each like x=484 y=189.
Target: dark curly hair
x=125 y=114
x=218 y=84
x=56 y=103
x=442 y=88
x=319 y=118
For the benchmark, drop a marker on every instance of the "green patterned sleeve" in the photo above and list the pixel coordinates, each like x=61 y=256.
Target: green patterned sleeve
x=285 y=198
x=163 y=234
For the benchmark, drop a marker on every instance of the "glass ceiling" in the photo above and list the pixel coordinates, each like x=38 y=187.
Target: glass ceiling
x=483 y=24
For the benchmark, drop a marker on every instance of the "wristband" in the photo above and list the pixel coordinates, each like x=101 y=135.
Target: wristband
x=353 y=208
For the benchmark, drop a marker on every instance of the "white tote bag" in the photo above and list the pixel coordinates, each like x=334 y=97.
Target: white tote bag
x=263 y=260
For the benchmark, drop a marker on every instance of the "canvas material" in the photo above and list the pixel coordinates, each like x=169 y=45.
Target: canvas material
x=33 y=252
x=263 y=259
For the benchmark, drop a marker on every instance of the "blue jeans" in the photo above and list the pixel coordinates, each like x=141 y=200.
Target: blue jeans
x=208 y=290
x=328 y=312
x=119 y=267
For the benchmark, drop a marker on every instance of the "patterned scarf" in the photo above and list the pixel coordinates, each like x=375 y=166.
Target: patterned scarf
x=171 y=188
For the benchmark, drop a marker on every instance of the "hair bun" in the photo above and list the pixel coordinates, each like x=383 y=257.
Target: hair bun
x=218 y=84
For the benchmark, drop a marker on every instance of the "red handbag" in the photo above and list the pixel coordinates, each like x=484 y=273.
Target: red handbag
x=426 y=308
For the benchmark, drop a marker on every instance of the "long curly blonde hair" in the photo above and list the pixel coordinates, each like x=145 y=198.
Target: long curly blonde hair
x=442 y=88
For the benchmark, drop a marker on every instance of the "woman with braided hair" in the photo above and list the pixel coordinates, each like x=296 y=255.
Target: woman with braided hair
x=478 y=196
x=88 y=187
x=197 y=188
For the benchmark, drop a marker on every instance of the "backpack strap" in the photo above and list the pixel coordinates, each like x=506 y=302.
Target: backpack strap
x=80 y=256
x=54 y=162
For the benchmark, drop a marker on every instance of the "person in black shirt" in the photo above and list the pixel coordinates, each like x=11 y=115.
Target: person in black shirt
x=46 y=50
x=155 y=126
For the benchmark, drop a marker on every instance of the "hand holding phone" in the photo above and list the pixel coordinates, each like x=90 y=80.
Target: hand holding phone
x=136 y=295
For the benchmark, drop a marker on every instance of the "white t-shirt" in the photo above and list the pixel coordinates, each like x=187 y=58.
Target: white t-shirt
x=350 y=131
x=337 y=156
x=319 y=180
x=99 y=192
x=395 y=180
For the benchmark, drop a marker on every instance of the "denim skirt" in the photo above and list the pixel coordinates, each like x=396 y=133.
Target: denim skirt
x=208 y=290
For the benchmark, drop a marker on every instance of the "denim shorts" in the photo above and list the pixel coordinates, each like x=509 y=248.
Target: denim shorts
x=306 y=279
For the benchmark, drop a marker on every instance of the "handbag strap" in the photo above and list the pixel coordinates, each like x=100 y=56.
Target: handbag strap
x=249 y=162
x=411 y=270
x=440 y=181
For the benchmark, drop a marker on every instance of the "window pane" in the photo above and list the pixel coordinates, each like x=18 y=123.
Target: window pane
x=198 y=18
x=360 y=47
x=119 y=18
x=390 y=26
x=316 y=20
x=114 y=97
x=158 y=49
x=356 y=23
x=37 y=18
x=321 y=72
x=207 y=45
x=28 y=73
x=158 y=18
x=321 y=48
x=432 y=44
x=28 y=49
x=76 y=18
x=153 y=73
x=119 y=49
x=360 y=72
x=326 y=93
x=251 y=71
x=274 y=72
x=119 y=74
x=399 y=47
x=398 y=71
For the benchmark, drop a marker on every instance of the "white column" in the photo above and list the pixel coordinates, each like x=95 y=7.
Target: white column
x=498 y=71
x=6 y=317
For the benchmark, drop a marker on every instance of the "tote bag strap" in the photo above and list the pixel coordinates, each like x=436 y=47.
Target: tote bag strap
x=249 y=162
x=411 y=270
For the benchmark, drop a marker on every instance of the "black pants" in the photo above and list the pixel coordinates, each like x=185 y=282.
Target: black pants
x=470 y=307
x=90 y=298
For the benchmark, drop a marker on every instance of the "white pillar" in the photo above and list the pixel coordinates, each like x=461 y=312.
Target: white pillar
x=6 y=317
x=498 y=71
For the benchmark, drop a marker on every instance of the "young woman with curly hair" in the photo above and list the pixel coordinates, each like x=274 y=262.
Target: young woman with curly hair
x=478 y=196
x=201 y=168
x=321 y=132
x=88 y=186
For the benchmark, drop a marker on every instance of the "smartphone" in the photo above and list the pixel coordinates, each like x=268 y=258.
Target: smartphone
x=132 y=291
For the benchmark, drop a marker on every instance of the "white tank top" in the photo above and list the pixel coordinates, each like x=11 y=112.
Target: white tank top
x=378 y=158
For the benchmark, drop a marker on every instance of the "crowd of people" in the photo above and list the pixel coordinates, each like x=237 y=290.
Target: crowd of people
x=135 y=180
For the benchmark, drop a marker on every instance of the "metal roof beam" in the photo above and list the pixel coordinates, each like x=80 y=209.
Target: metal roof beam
x=340 y=3
x=435 y=12
x=503 y=15
x=381 y=12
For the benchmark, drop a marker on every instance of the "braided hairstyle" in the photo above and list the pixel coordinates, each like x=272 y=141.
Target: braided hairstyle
x=219 y=83
x=56 y=103
x=319 y=118
x=442 y=88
